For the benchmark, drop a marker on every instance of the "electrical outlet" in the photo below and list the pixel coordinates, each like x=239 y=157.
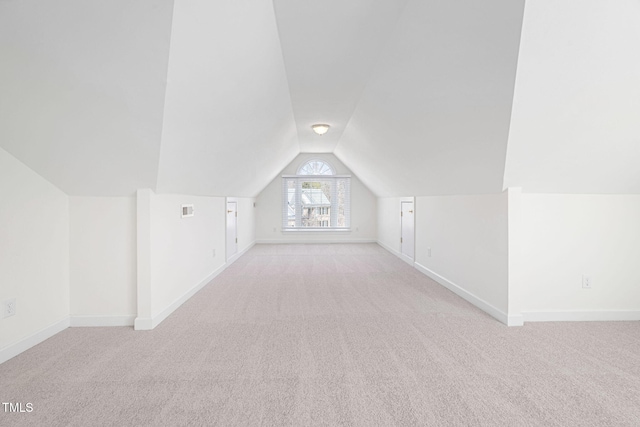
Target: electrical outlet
x=9 y=307
x=429 y=252
x=586 y=282
x=213 y=252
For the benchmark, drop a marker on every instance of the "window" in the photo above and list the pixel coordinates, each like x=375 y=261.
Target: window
x=316 y=198
x=316 y=167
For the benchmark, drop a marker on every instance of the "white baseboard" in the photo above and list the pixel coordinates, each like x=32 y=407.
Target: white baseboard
x=515 y=320
x=239 y=254
x=468 y=296
x=25 y=344
x=90 y=321
x=397 y=253
x=310 y=241
x=143 y=324
x=581 y=315
x=390 y=249
x=408 y=260
x=146 y=323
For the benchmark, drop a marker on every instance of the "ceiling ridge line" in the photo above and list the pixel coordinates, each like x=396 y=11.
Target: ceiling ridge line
x=286 y=72
x=164 y=96
x=375 y=65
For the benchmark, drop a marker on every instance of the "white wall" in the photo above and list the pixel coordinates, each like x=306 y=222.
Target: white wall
x=469 y=247
x=103 y=260
x=181 y=249
x=565 y=236
x=515 y=262
x=389 y=224
x=269 y=210
x=34 y=253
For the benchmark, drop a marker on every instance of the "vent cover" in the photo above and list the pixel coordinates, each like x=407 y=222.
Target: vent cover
x=187 y=210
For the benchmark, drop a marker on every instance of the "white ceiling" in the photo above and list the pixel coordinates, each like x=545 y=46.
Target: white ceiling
x=330 y=48
x=216 y=97
x=434 y=116
x=82 y=90
x=228 y=124
x=576 y=111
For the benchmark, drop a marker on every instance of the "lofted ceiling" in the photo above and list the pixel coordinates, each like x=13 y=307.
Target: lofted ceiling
x=228 y=123
x=82 y=88
x=330 y=49
x=217 y=97
x=434 y=116
x=576 y=112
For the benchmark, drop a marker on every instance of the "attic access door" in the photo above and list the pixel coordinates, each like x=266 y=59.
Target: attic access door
x=407 y=238
x=232 y=229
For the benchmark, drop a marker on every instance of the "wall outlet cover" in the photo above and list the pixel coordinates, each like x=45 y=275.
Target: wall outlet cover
x=9 y=307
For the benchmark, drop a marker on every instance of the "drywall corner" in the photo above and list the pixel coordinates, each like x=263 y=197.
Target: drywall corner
x=143 y=254
x=514 y=280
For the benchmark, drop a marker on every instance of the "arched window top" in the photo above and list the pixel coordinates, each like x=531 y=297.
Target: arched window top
x=316 y=167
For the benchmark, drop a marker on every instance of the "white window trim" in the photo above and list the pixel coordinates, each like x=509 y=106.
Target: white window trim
x=333 y=170
x=334 y=211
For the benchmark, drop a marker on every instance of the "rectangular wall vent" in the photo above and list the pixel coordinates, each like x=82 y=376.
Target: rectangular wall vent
x=187 y=210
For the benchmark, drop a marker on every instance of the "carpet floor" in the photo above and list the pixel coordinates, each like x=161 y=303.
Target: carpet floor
x=329 y=335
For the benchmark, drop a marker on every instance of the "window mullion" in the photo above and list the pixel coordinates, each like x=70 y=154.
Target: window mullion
x=298 y=199
x=334 y=204
x=318 y=174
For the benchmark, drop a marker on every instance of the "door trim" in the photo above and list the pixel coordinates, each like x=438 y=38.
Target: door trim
x=409 y=260
x=229 y=255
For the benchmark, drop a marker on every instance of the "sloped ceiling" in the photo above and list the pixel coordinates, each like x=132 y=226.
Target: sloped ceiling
x=228 y=123
x=82 y=88
x=434 y=116
x=576 y=111
x=216 y=97
x=330 y=48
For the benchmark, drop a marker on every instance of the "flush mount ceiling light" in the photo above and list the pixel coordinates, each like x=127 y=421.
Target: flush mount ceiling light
x=320 y=129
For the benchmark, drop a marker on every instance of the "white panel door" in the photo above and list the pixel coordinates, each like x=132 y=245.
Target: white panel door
x=232 y=229
x=407 y=240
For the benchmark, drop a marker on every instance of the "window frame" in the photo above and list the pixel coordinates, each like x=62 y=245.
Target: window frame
x=330 y=167
x=333 y=209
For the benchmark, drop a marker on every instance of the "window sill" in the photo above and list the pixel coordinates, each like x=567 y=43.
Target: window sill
x=313 y=230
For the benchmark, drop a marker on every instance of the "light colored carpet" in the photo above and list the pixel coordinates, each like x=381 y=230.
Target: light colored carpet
x=330 y=335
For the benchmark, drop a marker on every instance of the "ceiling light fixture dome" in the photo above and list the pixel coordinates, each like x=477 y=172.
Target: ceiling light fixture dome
x=320 y=128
